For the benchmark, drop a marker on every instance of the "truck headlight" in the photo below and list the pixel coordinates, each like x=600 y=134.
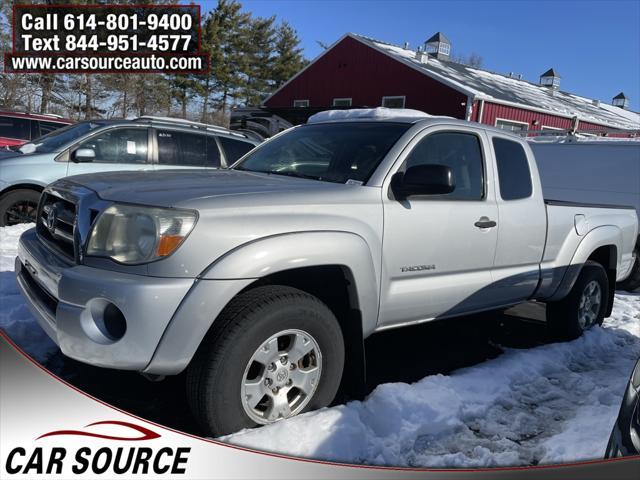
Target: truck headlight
x=135 y=234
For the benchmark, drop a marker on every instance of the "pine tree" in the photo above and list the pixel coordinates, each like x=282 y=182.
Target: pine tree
x=224 y=38
x=259 y=60
x=288 y=58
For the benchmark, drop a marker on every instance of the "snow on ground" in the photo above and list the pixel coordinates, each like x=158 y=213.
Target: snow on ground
x=15 y=318
x=554 y=403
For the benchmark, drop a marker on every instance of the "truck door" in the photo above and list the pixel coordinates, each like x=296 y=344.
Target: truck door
x=438 y=250
x=523 y=221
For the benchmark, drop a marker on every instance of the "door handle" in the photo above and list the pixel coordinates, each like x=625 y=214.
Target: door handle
x=484 y=222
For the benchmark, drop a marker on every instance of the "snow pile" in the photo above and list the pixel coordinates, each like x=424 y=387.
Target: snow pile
x=15 y=318
x=555 y=403
x=379 y=113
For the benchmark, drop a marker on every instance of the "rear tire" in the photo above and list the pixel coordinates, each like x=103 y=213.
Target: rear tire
x=632 y=282
x=583 y=307
x=235 y=357
x=18 y=206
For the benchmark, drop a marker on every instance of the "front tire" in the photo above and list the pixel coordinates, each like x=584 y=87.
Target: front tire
x=584 y=306
x=274 y=352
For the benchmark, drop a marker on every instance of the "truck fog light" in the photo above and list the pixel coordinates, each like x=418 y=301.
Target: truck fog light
x=103 y=321
x=114 y=322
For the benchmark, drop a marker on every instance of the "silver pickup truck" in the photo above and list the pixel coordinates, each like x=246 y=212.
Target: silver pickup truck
x=262 y=281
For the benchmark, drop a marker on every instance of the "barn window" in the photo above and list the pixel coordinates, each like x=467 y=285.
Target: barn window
x=511 y=125
x=393 y=102
x=341 y=102
x=546 y=128
x=301 y=103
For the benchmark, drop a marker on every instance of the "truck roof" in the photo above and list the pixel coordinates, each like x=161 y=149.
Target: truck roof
x=396 y=115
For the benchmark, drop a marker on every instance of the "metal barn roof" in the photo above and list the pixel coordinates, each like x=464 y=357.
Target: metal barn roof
x=494 y=87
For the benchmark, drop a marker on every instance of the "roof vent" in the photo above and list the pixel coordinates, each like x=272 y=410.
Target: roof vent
x=596 y=103
x=438 y=46
x=621 y=100
x=551 y=79
x=421 y=56
x=406 y=45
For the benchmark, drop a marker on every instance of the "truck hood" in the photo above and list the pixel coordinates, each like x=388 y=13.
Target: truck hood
x=170 y=188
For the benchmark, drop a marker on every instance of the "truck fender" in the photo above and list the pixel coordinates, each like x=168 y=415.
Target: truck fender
x=603 y=236
x=242 y=266
x=288 y=251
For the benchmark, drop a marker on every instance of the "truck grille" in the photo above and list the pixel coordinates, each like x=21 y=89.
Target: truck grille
x=57 y=222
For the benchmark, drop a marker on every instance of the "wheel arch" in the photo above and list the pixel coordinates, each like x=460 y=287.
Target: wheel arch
x=309 y=261
x=23 y=186
x=600 y=245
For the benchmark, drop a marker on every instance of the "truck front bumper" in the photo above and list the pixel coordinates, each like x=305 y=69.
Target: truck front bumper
x=100 y=317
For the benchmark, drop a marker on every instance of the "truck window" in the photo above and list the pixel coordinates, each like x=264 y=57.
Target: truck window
x=187 y=149
x=459 y=151
x=514 y=175
x=332 y=152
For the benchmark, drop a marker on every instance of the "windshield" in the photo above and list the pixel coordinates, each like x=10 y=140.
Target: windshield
x=58 y=138
x=332 y=152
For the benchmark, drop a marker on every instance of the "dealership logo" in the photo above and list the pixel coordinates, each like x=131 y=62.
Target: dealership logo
x=117 y=459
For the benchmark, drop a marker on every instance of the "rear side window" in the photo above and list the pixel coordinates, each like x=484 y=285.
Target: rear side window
x=234 y=149
x=187 y=149
x=459 y=151
x=48 y=127
x=19 y=128
x=513 y=169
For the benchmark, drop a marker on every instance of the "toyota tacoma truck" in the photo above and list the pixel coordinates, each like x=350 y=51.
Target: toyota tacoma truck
x=261 y=281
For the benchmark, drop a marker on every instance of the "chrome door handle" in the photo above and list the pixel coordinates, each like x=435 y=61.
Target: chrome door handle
x=484 y=222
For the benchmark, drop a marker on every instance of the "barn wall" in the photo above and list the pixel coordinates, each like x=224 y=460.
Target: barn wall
x=354 y=70
x=493 y=111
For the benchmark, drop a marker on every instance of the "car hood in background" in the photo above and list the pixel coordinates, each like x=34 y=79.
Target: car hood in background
x=6 y=153
x=172 y=187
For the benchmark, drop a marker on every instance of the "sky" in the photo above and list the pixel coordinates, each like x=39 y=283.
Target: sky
x=594 y=45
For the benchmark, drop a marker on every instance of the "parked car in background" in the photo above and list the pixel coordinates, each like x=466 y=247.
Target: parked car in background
x=625 y=437
x=17 y=128
x=592 y=170
x=145 y=143
x=259 y=121
x=262 y=280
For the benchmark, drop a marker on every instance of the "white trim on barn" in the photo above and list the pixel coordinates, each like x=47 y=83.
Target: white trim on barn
x=345 y=99
x=393 y=97
x=506 y=121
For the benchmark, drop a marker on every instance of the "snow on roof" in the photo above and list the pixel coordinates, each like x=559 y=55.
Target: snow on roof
x=491 y=86
x=379 y=113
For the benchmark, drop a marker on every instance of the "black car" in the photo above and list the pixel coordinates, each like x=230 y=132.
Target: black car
x=625 y=437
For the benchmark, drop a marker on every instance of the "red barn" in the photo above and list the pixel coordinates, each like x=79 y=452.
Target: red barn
x=357 y=71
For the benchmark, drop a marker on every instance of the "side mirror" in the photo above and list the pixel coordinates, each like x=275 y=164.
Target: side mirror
x=82 y=155
x=423 y=180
